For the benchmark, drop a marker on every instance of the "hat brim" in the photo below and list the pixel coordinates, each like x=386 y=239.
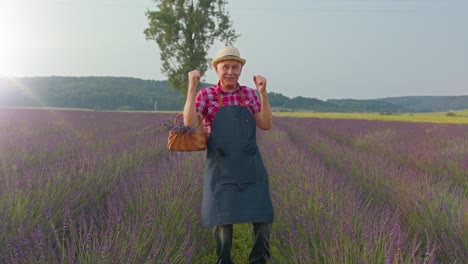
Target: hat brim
x=214 y=62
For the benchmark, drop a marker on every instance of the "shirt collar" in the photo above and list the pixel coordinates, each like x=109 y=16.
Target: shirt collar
x=218 y=88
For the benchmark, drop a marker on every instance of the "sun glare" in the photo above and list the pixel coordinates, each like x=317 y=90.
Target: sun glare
x=12 y=36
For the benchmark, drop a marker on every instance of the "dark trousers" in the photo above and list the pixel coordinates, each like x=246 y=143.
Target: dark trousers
x=261 y=246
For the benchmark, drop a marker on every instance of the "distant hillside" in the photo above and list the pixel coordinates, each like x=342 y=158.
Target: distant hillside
x=101 y=93
x=430 y=103
x=122 y=93
x=353 y=105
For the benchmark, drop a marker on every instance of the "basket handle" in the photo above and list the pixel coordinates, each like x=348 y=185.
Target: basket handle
x=200 y=119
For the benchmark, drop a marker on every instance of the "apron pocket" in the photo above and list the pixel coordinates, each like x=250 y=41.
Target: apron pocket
x=222 y=152
x=248 y=170
x=239 y=170
x=224 y=165
x=250 y=150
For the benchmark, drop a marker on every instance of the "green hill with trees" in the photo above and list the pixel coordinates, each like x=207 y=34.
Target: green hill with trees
x=124 y=93
x=429 y=103
x=100 y=93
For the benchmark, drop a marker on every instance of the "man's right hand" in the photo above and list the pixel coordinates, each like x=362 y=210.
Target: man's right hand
x=193 y=79
x=190 y=114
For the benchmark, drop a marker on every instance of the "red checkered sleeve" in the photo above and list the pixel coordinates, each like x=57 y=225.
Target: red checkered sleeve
x=251 y=100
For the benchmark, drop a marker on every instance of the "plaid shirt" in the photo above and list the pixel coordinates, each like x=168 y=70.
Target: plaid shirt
x=207 y=104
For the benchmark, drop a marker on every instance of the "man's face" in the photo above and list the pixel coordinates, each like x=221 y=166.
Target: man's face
x=228 y=72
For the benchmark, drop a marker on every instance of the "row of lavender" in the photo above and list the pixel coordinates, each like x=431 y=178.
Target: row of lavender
x=100 y=187
x=370 y=191
x=95 y=187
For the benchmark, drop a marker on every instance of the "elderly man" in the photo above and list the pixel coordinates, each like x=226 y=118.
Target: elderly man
x=236 y=188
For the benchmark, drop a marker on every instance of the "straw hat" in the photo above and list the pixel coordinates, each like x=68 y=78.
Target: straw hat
x=228 y=53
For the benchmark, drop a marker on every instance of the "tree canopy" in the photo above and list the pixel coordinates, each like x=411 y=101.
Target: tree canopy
x=184 y=31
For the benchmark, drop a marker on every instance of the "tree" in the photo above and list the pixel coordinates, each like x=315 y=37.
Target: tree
x=184 y=31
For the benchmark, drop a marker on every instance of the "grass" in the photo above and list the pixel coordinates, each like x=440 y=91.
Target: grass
x=435 y=117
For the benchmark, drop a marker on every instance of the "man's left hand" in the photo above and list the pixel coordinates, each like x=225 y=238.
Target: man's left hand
x=260 y=83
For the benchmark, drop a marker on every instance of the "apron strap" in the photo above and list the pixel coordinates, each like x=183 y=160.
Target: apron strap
x=220 y=101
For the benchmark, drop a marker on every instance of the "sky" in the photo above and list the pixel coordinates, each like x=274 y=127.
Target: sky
x=325 y=49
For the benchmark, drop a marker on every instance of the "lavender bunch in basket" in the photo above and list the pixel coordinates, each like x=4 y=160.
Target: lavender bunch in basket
x=178 y=127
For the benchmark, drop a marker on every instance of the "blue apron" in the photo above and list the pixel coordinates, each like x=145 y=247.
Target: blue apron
x=236 y=188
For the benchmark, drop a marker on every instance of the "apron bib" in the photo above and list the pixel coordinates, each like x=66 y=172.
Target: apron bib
x=236 y=188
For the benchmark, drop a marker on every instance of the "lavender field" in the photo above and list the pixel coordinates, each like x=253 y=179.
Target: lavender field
x=101 y=187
